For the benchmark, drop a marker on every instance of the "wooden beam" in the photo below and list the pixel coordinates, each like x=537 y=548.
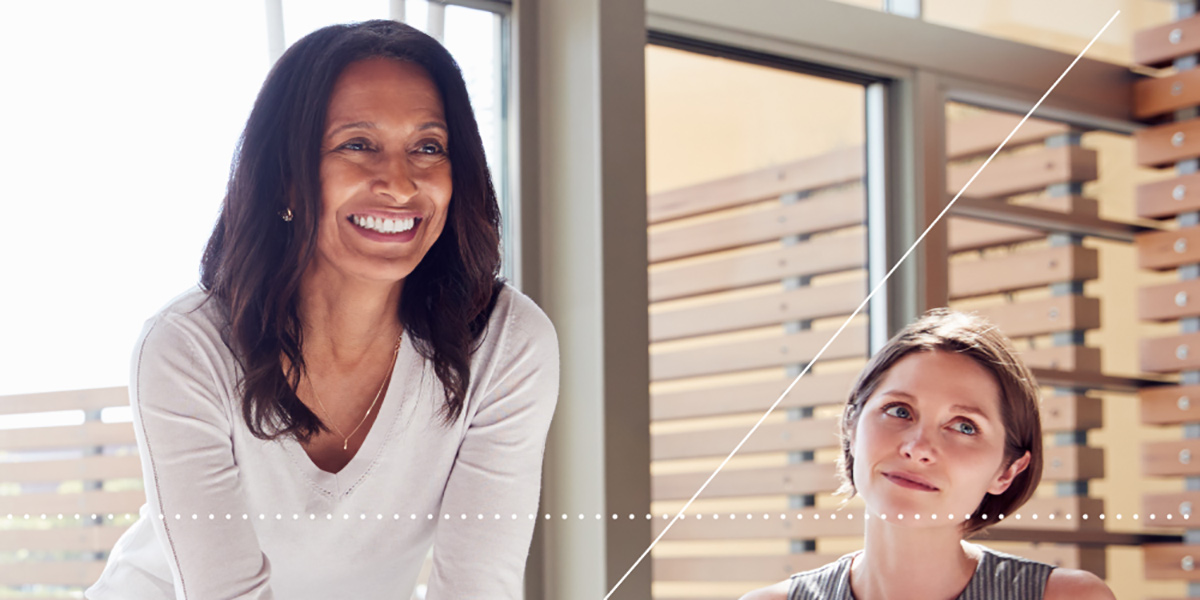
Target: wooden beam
x=1071 y=413
x=87 y=435
x=62 y=539
x=1044 y=316
x=1154 y=96
x=1158 y=46
x=1018 y=173
x=802 y=434
x=1164 y=145
x=1171 y=561
x=818 y=256
x=1161 y=250
x=1074 y=362
x=831 y=168
x=93 y=399
x=1171 y=459
x=980 y=134
x=802 y=478
x=737 y=568
x=824 y=212
x=1170 y=197
x=1182 y=508
x=83 y=468
x=1022 y=270
x=1170 y=405
x=85 y=503
x=804 y=303
x=1170 y=354
x=778 y=351
x=1169 y=302
x=814 y=389
x=61 y=572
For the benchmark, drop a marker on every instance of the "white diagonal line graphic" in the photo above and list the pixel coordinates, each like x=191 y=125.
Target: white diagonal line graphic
x=874 y=290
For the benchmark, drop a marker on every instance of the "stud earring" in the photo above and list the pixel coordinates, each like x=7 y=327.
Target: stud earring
x=286 y=214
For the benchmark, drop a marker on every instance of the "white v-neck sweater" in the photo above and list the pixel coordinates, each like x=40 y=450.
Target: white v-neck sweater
x=231 y=516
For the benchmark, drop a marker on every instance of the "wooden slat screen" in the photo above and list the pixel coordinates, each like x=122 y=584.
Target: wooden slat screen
x=749 y=277
x=72 y=490
x=1172 y=139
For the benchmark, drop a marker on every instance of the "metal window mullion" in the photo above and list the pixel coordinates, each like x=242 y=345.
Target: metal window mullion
x=914 y=180
x=274 y=22
x=436 y=20
x=878 y=232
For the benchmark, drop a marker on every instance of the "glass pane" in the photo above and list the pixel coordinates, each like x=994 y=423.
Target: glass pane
x=758 y=251
x=1063 y=25
x=120 y=150
x=302 y=17
x=1069 y=302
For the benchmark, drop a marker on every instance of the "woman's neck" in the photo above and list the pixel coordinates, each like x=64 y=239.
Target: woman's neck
x=346 y=318
x=902 y=562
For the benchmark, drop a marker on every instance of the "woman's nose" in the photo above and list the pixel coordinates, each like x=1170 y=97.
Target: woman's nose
x=395 y=178
x=919 y=445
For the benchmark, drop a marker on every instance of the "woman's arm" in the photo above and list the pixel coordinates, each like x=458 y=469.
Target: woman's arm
x=184 y=438
x=499 y=467
x=1073 y=584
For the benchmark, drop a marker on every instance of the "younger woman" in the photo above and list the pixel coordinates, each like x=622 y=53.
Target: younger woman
x=940 y=436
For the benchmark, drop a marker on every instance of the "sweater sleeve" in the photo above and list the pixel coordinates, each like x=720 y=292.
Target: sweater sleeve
x=498 y=468
x=184 y=435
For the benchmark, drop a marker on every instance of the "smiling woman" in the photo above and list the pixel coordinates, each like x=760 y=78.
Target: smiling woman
x=943 y=421
x=349 y=355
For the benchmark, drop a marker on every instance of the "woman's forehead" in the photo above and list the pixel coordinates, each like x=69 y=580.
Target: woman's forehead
x=943 y=377
x=383 y=84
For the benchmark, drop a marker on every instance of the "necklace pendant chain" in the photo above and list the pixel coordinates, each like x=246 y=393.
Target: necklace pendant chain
x=386 y=377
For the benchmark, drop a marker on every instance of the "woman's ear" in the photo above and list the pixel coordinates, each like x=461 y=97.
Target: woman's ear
x=1006 y=476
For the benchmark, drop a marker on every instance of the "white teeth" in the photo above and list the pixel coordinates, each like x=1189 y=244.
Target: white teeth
x=384 y=225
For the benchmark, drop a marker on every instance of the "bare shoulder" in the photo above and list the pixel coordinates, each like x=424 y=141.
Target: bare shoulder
x=1076 y=584
x=778 y=591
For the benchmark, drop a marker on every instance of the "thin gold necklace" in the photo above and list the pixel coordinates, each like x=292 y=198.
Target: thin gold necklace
x=386 y=376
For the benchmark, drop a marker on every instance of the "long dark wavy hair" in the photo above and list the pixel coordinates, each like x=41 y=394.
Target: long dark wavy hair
x=254 y=260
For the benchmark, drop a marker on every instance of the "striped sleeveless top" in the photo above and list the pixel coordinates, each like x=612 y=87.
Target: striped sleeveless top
x=998 y=576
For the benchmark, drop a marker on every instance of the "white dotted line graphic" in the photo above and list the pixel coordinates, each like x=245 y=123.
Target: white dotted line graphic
x=599 y=517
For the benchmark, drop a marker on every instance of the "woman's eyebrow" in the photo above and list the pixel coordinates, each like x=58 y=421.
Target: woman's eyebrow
x=369 y=125
x=971 y=410
x=963 y=408
x=354 y=125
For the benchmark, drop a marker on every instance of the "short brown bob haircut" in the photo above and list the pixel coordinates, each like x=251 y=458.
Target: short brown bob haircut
x=970 y=335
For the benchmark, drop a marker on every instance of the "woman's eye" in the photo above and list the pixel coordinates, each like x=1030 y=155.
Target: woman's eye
x=898 y=411
x=432 y=148
x=966 y=427
x=355 y=145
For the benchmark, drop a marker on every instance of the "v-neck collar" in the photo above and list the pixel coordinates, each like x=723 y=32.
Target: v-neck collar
x=404 y=382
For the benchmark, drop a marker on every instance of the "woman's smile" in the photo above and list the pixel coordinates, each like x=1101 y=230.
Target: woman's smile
x=389 y=228
x=908 y=480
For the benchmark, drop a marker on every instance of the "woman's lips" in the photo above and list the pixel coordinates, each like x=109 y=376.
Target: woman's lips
x=909 y=481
